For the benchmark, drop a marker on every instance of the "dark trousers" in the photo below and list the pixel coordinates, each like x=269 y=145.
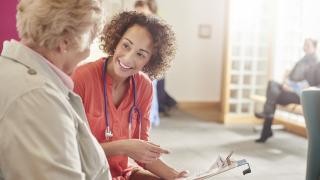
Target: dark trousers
x=276 y=95
x=164 y=99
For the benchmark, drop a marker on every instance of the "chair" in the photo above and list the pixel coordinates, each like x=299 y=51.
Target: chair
x=311 y=109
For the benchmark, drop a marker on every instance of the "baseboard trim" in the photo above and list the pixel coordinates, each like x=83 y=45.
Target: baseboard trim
x=241 y=119
x=208 y=111
x=292 y=127
x=196 y=107
x=199 y=104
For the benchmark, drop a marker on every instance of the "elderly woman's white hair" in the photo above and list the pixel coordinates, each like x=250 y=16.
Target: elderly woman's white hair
x=45 y=23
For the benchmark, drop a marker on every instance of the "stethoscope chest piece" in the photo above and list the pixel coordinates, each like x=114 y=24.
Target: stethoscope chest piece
x=108 y=133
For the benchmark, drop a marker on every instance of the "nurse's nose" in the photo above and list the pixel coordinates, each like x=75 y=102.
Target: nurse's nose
x=129 y=56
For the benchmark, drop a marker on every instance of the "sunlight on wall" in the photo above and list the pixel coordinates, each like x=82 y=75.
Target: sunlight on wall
x=249 y=43
x=95 y=52
x=265 y=41
x=295 y=21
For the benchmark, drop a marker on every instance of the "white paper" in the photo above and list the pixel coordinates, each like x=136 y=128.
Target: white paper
x=218 y=167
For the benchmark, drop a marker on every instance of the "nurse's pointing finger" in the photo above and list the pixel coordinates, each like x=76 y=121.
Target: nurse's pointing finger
x=153 y=144
x=159 y=150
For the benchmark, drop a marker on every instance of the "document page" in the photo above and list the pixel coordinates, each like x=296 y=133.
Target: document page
x=220 y=166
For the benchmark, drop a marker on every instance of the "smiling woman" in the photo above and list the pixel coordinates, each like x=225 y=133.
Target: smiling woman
x=161 y=35
x=132 y=53
x=117 y=93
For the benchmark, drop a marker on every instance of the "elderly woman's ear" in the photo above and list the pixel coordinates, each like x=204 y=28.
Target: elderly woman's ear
x=64 y=45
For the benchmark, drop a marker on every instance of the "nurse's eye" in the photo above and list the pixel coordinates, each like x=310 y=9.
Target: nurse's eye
x=141 y=55
x=125 y=45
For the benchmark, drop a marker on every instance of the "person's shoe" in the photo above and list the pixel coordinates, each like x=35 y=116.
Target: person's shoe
x=264 y=138
x=165 y=111
x=259 y=115
x=262 y=115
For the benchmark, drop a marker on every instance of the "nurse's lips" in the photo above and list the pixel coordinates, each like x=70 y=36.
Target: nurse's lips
x=124 y=66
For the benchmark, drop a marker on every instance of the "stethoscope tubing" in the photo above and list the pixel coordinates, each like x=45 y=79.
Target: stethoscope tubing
x=132 y=109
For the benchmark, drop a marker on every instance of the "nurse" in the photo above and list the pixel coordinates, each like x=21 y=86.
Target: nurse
x=44 y=133
x=117 y=93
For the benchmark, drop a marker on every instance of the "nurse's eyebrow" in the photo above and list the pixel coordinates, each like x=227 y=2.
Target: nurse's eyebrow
x=145 y=51
x=128 y=40
x=140 y=49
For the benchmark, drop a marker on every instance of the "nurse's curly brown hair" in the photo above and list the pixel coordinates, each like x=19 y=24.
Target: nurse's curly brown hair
x=163 y=39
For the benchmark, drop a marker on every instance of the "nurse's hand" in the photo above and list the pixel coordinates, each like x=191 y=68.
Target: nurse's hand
x=182 y=175
x=143 y=151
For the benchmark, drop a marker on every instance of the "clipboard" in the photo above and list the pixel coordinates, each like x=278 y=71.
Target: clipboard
x=221 y=166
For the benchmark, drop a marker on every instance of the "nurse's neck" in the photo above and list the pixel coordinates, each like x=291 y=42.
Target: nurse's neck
x=117 y=81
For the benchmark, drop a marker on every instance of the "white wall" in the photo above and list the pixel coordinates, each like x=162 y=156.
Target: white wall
x=196 y=72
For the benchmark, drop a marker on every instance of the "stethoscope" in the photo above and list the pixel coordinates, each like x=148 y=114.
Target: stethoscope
x=108 y=133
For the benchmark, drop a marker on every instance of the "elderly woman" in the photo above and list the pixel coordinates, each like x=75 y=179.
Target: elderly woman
x=44 y=133
x=117 y=93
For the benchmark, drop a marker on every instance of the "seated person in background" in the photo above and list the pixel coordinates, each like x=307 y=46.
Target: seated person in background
x=117 y=93
x=301 y=77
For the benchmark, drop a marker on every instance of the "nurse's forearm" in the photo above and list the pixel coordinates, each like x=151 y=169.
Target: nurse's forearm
x=115 y=147
x=139 y=150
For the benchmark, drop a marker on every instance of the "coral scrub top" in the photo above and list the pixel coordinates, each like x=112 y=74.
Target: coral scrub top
x=88 y=83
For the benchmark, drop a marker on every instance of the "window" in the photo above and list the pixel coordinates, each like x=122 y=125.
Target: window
x=265 y=39
x=250 y=27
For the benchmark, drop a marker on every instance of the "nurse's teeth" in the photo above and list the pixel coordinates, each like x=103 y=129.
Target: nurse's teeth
x=124 y=66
